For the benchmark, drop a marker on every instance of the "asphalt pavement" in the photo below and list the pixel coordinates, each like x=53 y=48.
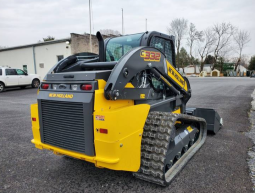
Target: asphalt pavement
x=219 y=166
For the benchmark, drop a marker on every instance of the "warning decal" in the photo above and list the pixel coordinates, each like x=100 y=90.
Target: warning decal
x=100 y=117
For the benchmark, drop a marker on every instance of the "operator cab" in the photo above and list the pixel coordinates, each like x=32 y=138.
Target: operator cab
x=112 y=49
x=118 y=46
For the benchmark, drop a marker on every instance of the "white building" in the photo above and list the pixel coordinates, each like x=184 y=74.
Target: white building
x=35 y=58
x=192 y=69
x=40 y=57
x=241 y=69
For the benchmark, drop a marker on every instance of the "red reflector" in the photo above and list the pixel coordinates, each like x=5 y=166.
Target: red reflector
x=103 y=131
x=45 y=86
x=33 y=119
x=86 y=87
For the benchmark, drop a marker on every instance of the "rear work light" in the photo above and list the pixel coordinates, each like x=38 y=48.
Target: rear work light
x=45 y=86
x=86 y=87
x=74 y=87
x=54 y=86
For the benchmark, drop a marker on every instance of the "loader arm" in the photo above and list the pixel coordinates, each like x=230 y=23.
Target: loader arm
x=140 y=60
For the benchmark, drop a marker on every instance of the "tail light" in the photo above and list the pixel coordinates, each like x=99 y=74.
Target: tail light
x=86 y=87
x=45 y=86
x=33 y=119
x=105 y=131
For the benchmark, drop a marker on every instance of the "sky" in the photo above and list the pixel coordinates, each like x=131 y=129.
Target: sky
x=28 y=21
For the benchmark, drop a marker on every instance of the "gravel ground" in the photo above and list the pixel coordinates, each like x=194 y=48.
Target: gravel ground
x=219 y=166
x=251 y=134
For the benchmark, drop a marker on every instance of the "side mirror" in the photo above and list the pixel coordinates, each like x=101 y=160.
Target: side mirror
x=26 y=74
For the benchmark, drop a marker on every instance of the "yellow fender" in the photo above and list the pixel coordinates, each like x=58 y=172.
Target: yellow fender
x=120 y=148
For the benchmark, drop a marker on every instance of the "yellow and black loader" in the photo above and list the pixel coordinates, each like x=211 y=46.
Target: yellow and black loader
x=122 y=109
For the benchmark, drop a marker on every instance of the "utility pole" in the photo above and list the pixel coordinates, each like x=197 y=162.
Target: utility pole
x=122 y=22
x=146 y=24
x=90 y=44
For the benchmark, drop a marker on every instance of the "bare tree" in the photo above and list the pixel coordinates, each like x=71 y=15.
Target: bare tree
x=109 y=32
x=241 y=39
x=223 y=32
x=206 y=46
x=178 y=28
x=223 y=56
x=194 y=35
x=243 y=62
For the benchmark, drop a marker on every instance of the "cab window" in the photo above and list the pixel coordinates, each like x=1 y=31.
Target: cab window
x=20 y=72
x=168 y=51
x=158 y=43
x=164 y=46
x=10 y=72
x=0 y=72
x=118 y=46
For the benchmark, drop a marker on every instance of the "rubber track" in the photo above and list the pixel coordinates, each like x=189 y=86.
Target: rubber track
x=159 y=129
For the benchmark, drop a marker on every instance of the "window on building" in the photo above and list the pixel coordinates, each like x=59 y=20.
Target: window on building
x=41 y=65
x=0 y=72
x=10 y=72
x=20 y=72
x=60 y=57
x=25 y=68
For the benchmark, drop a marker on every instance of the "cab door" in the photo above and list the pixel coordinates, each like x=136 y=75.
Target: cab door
x=24 y=79
x=11 y=77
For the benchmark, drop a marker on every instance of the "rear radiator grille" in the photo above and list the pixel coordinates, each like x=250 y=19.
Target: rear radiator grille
x=63 y=124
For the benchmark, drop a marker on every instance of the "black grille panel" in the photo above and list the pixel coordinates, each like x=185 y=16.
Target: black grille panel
x=63 y=125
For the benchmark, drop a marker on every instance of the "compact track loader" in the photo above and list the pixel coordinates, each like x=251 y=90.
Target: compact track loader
x=122 y=109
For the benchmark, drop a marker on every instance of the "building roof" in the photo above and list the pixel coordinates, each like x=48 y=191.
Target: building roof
x=36 y=44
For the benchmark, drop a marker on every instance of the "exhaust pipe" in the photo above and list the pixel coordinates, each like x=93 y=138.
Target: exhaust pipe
x=101 y=47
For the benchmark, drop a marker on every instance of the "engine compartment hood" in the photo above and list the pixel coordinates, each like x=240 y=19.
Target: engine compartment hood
x=79 y=76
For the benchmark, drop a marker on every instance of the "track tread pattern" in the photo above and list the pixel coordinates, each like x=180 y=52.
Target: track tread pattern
x=159 y=129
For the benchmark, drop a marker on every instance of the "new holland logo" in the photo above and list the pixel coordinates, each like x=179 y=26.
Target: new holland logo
x=150 y=56
x=66 y=96
x=176 y=76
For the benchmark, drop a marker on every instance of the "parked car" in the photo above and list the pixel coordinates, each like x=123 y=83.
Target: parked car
x=12 y=77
